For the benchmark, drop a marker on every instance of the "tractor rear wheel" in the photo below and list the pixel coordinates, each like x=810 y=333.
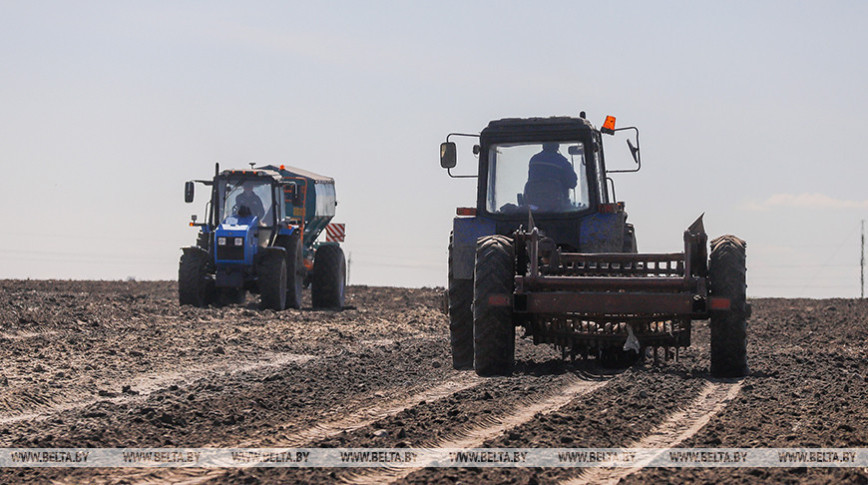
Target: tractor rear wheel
x=294 y=271
x=195 y=286
x=460 y=318
x=726 y=274
x=493 y=288
x=328 y=283
x=272 y=280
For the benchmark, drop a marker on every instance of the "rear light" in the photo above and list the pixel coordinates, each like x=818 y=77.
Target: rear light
x=498 y=300
x=612 y=208
x=466 y=211
x=719 y=303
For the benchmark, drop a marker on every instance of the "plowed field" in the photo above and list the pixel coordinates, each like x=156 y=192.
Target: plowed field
x=120 y=364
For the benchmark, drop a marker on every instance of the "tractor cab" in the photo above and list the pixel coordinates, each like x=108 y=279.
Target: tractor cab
x=552 y=170
x=546 y=166
x=246 y=199
x=544 y=177
x=249 y=201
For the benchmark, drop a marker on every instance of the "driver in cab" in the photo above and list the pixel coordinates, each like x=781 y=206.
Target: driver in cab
x=550 y=177
x=248 y=203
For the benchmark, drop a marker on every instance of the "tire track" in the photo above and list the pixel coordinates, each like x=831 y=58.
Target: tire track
x=475 y=436
x=678 y=427
x=23 y=335
x=370 y=415
x=148 y=384
x=318 y=431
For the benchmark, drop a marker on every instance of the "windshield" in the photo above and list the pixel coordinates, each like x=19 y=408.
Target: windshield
x=545 y=177
x=243 y=198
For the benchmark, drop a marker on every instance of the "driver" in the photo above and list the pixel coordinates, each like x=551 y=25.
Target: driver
x=550 y=176
x=249 y=199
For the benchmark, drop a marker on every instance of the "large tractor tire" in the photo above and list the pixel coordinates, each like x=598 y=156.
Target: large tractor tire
x=271 y=273
x=493 y=288
x=295 y=271
x=726 y=274
x=328 y=283
x=460 y=318
x=195 y=285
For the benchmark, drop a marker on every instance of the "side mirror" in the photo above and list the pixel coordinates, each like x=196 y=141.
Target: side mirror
x=188 y=192
x=448 y=157
x=634 y=150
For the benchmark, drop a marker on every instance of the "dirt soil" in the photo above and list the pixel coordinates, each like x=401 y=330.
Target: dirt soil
x=120 y=364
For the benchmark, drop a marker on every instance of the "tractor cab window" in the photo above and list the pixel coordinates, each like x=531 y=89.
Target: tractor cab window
x=544 y=177
x=243 y=198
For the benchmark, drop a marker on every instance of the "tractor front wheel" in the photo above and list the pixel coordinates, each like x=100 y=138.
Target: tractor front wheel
x=272 y=280
x=726 y=274
x=195 y=286
x=328 y=283
x=493 y=288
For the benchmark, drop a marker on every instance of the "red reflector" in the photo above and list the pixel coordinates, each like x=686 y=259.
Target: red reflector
x=719 y=303
x=611 y=208
x=466 y=211
x=498 y=300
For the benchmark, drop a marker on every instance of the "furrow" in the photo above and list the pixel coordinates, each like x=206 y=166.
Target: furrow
x=325 y=429
x=475 y=436
x=148 y=384
x=680 y=426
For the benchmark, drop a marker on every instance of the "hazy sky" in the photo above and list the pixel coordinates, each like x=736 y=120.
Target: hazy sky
x=751 y=112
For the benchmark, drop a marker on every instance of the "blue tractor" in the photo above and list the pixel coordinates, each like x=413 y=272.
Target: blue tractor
x=260 y=236
x=548 y=249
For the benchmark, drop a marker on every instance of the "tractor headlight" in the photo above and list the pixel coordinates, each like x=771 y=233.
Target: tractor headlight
x=221 y=241
x=239 y=241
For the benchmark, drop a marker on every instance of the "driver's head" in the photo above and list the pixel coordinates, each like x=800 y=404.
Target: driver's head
x=550 y=146
x=248 y=187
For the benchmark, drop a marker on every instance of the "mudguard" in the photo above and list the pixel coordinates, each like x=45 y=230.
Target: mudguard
x=264 y=251
x=465 y=232
x=196 y=249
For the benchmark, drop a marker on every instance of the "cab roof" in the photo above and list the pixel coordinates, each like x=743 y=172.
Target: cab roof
x=555 y=126
x=287 y=171
x=252 y=174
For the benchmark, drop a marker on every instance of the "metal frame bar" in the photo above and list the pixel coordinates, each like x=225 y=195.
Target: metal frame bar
x=632 y=304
